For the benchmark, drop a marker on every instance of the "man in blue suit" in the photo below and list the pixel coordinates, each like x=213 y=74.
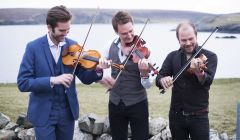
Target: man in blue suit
x=53 y=104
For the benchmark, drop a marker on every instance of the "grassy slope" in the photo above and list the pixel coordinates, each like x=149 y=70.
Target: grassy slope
x=223 y=101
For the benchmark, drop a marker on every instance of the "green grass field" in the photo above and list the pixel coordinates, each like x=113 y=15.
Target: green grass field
x=224 y=96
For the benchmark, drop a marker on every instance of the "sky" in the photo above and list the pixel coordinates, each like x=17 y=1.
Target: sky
x=206 y=6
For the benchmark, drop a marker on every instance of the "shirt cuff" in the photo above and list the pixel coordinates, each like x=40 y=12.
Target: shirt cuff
x=146 y=82
x=144 y=76
x=99 y=72
x=51 y=83
x=199 y=74
x=203 y=75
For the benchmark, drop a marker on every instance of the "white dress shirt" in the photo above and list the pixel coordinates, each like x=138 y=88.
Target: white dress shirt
x=55 y=49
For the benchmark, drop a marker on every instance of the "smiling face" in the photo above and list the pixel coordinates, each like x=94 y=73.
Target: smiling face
x=126 y=32
x=58 y=33
x=187 y=38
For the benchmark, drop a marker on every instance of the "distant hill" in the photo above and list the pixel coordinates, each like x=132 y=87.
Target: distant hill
x=204 y=21
x=227 y=23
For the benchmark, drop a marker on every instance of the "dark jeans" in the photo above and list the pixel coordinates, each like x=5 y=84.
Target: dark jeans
x=183 y=126
x=137 y=115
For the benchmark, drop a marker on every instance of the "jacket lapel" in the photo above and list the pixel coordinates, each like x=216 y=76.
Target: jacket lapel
x=48 y=54
x=62 y=65
x=65 y=69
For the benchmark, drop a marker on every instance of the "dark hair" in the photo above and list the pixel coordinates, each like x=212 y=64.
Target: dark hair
x=58 y=14
x=185 y=23
x=121 y=17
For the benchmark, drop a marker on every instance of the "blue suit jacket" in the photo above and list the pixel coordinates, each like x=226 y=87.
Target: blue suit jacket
x=34 y=76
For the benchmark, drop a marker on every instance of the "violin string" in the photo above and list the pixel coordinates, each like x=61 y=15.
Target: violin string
x=139 y=54
x=79 y=55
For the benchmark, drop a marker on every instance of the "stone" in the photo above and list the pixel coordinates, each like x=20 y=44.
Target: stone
x=98 y=126
x=27 y=134
x=106 y=125
x=157 y=125
x=4 y=120
x=85 y=124
x=105 y=136
x=22 y=120
x=22 y=134
x=11 y=126
x=31 y=132
x=18 y=129
x=156 y=137
x=166 y=134
x=223 y=136
x=7 y=135
x=214 y=135
x=77 y=135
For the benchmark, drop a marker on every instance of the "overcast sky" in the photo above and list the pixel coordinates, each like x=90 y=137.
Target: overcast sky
x=207 y=6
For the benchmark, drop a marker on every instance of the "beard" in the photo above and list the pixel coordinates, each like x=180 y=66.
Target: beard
x=59 y=38
x=189 y=49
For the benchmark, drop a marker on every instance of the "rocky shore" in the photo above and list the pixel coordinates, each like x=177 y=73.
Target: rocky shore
x=90 y=127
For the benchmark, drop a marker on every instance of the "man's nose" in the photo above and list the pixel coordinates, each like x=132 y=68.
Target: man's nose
x=129 y=35
x=66 y=32
x=188 y=42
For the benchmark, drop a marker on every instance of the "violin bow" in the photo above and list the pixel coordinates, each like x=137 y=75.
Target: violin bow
x=79 y=55
x=190 y=59
x=131 y=52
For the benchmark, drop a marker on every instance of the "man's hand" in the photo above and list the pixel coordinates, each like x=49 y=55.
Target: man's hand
x=166 y=82
x=64 y=79
x=198 y=64
x=108 y=82
x=143 y=67
x=195 y=65
x=103 y=63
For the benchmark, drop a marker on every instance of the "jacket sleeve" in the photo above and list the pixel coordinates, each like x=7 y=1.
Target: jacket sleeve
x=88 y=76
x=166 y=70
x=211 y=69
x=27 y=80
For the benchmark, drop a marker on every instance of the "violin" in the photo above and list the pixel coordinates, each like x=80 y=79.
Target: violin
x=202 y=62
x=141 y=52
x=88 y=59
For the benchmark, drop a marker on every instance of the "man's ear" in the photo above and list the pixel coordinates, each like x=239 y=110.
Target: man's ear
x=50 y=28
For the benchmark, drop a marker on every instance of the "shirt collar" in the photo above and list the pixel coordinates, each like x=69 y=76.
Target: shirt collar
x=117 y=42
x=51 y=44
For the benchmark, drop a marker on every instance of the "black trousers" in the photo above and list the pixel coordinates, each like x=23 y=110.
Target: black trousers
x=184 y=127
x=137 y=115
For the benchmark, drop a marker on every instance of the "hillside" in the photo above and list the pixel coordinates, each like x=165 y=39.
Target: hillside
x=229 y=23
x=204 y=21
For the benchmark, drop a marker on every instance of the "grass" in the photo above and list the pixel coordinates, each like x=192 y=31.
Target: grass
x=224 y=96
